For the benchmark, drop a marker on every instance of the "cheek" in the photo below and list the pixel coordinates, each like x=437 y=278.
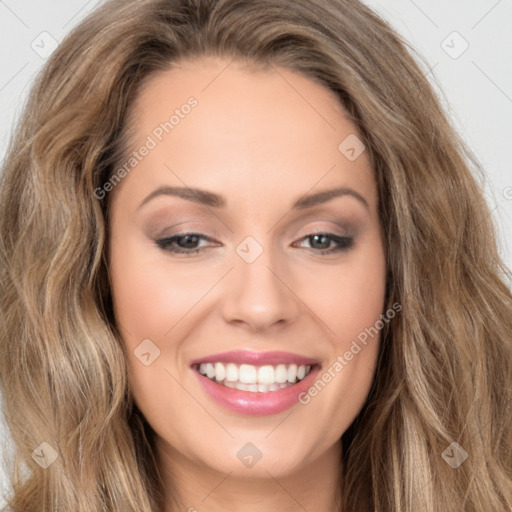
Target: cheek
x=149 y=297
x=352 y=310
x=349 y=297
x=151 y=300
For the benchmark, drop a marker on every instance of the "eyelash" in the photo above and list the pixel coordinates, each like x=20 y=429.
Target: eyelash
x=344 y=243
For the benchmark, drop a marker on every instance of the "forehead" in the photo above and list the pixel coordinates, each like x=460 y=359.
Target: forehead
x=250 y=129
x=236 y=91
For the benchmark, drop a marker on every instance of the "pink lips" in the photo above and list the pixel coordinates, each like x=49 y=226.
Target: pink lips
x=256 y=358
x=252 y=403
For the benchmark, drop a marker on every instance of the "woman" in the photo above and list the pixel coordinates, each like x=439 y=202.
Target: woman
x=245 y=266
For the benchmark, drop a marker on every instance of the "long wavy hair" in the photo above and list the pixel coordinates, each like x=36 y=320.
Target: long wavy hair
x=443 y=374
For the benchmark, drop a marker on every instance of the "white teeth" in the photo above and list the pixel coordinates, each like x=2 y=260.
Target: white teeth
x=248 y=374
x=248 y=377
x=220 y=371
x=281 y=373
x=266 y=374
x=231 y=372
x=292 y=373
x=210 y=370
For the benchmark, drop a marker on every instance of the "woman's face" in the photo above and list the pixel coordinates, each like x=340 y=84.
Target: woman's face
x=242 y=161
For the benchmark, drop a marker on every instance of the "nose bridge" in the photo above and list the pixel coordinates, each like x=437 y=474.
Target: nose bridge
x=257 y=294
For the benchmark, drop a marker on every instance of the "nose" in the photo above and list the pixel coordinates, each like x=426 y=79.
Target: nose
x=260 y=294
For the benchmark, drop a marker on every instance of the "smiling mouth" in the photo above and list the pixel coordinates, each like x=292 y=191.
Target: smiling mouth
x=256 y=379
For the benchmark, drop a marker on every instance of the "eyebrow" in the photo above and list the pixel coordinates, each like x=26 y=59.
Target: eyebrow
x=213 y=200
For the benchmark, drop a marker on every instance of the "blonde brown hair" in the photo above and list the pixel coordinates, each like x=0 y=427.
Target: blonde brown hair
x=444 y=367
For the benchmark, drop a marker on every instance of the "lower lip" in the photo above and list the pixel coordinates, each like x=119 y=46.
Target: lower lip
x=256 y=403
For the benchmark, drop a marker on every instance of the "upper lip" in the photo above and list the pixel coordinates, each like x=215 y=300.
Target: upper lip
x=255 y=358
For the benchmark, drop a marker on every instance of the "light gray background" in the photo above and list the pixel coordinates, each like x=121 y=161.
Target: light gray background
x=476 y=85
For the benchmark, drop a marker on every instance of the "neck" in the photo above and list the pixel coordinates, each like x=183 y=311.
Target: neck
x=193 y=487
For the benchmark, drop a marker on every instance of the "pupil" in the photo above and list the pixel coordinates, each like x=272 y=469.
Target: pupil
x=325 y=245
x=191 y=241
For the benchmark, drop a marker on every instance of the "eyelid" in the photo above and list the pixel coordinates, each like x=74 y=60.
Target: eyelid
x=343 y=232
x=341 y=243
x=192 y=228
x=335 y=228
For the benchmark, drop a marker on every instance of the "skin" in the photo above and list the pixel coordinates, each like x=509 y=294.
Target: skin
x=262 y=139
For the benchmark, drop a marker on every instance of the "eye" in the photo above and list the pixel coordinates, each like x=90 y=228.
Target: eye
x=187 y=243
x=321 y=242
